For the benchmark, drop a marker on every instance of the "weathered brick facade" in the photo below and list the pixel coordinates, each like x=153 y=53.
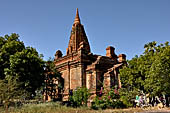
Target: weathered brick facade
x=79 y=67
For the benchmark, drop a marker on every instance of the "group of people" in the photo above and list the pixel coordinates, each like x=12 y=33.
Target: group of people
x=144 y=100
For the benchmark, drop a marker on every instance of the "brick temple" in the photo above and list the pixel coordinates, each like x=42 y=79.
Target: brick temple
x=81 y=68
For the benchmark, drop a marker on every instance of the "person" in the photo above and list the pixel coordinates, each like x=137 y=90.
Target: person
x=167 y=98
x=162 y=100
x=147 y=99
x=157 y=100
x=141 y=100
x=137 y=100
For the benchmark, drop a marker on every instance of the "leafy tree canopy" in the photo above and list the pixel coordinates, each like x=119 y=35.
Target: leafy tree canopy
x=150 y=71
x=22 y=62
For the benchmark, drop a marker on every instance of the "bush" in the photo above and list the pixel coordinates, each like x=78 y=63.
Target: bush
x=127 y=97
x=79 y=97
x=98 y=103
x=110 y=100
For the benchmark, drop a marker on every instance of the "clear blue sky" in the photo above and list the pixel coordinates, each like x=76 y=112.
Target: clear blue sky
x=125 y=24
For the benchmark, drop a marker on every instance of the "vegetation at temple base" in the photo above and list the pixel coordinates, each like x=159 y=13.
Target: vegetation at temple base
x=108 y=100
x=149 y=72
x=79 y=97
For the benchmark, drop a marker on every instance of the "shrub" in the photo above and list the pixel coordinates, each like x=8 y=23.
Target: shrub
x=98 y=103
x=127 y=97
x=110 y=100
x=79 y=97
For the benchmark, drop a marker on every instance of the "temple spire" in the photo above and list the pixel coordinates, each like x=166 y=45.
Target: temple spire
x=78 y=39
x=77 y=19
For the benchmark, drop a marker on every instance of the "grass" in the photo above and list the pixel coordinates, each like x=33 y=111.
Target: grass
x=57 y=108
x=48 y=108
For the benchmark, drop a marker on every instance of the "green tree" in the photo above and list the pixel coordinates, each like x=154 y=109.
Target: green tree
x=9 y=45
x=158 y=78
x=23 y=62
x=10 y=91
